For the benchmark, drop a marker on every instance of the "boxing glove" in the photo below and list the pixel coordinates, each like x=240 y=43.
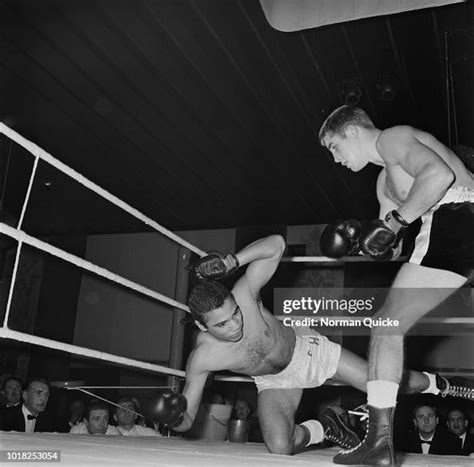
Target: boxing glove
x=379 y=238
x=168 y=409
x=214 y=266
x=340 y=238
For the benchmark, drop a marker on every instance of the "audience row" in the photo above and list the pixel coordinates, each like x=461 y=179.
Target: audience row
x=24 y=410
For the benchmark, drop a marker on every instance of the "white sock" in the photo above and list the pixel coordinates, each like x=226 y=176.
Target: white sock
x=316 y=431
x=432 y=388
x=382 y=394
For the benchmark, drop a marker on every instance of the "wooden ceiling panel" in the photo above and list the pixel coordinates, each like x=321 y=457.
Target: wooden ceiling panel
x=200 y=114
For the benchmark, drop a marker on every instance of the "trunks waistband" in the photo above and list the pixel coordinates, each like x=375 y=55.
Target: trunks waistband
x=457 y=194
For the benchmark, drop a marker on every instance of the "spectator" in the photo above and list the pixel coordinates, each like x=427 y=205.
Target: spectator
x=140 y=420
x=211 y=397
x=30 y=416
x=241 y=410
x=429 y=437
x=457 y=424
x=96 y=421
x=75 y=415
x=126 y=420
x=12 y=391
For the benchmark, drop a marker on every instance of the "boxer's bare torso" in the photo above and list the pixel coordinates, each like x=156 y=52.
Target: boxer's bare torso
x=395 y=182
x=266 y=346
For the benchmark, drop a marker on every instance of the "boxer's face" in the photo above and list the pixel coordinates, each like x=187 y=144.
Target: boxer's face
x=457 y=423
x=347 y=149
x=226 y=322
x=426 y=420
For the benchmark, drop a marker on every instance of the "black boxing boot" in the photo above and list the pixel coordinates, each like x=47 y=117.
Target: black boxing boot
x=337 y=431
x=377 y=446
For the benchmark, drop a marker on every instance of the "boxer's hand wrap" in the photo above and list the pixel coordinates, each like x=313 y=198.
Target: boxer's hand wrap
x=379 y=238
x=214 y=266
x=395 y=221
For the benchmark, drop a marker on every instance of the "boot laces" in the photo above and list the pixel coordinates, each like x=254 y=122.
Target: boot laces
x=457 y=391
x=349 y=450
x=336 y=439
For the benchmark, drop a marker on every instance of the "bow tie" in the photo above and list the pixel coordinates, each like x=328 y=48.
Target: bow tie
x=422 y=441
x=31 y=417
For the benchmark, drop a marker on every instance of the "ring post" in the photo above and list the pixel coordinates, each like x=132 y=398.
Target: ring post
x=177 y=329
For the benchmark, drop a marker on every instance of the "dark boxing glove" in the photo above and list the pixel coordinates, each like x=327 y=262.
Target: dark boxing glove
x=379 y=238
x=214 y=266
x=168 y=409
x=340 y=238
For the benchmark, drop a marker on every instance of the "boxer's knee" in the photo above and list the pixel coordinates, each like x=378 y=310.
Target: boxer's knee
x=280 y=444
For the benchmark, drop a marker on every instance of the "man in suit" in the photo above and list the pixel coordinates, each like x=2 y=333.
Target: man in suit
x=30 y=416
x=10 y=395
x=11 y=391
x=428 y=437
x=457 y=424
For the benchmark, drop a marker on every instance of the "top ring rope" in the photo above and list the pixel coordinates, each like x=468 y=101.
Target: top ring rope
x=36 y=151
x=23 y=237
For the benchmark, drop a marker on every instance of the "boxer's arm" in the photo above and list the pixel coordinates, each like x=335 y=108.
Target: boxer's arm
x=262 y=257
x=196 y=376
x=386 y=205
x=432 y=176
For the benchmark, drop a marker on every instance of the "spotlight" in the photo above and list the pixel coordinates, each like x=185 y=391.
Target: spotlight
x=350 y=91
x=386 y=89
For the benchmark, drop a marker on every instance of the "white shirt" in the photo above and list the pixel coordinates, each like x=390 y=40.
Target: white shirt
x=12 y=405
x=29 y=424
x=81 y=429
x=138 y=430
x=424 y=446
x=463 y=439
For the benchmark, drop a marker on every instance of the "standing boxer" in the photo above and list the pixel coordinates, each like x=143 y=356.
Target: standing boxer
x=421 y=177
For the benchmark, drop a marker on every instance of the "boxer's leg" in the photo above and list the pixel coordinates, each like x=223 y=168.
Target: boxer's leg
x=353 y=370
x=415 y=291
x=276 y=414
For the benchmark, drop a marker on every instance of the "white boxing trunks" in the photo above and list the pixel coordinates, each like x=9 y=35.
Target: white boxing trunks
x=315 y=359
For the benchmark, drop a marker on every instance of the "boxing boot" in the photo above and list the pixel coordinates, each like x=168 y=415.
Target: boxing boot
x=337 y=431
x=377 y=446
x=464 y=389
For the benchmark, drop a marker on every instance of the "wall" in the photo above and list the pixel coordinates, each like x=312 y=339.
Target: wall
x=111 y=318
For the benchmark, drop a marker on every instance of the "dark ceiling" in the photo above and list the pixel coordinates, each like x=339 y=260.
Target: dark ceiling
x=201 y=115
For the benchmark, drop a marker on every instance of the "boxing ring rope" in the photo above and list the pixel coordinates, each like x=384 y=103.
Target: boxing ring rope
x=74 y=349
x=45 y=156
x=23 y=237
